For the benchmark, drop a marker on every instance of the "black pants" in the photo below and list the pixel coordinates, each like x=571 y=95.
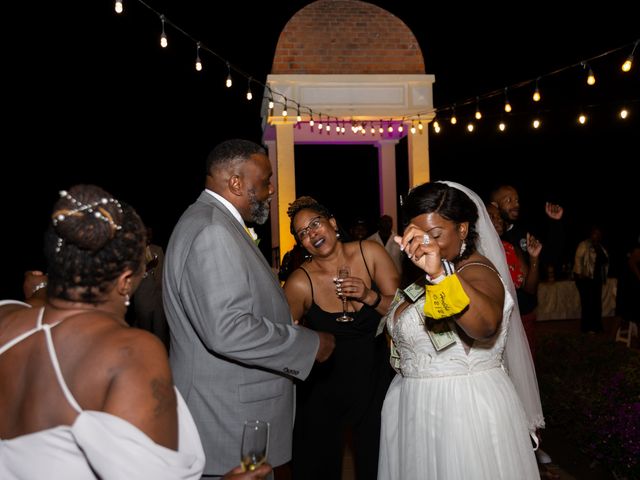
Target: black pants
x=591 y=304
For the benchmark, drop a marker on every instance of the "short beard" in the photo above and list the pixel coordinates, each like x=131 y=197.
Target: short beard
x=259 y=211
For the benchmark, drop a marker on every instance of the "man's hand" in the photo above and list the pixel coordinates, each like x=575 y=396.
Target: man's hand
x=553 y=210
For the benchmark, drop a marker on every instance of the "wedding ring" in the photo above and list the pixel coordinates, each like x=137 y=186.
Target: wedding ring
x=425 y=239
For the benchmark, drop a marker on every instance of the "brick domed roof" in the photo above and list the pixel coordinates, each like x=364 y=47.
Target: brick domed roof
x=346 y=37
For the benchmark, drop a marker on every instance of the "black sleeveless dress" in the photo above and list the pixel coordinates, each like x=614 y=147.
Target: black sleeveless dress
x=345 y=392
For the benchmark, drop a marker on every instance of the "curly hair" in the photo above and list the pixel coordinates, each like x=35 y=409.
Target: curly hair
x=305 y=203
x=91 y=240
x=448 y=202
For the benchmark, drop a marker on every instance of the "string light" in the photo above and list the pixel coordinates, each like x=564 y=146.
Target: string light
x=163 y=37
x=536 y=123
x=390 y=123
x=626 y=66
x=536 y=92
x=249 y=93
x=624 y=113
x=229 y=81
x=591 y=78
x=470 y=127
x=478 y=113
x=507 y=105
x=502 y=126
x=198 y=61
x=582 y=119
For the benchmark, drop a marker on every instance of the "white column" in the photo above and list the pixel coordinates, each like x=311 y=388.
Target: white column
x=286 y=185
x=387 y=178
x=418 y=158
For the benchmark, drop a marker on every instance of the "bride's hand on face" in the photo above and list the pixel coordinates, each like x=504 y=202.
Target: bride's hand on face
x=421 y=248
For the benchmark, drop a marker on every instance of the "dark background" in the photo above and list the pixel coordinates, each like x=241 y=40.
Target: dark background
x=89 y=96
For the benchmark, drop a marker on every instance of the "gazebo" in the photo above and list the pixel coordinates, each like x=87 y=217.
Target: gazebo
x=345 y=72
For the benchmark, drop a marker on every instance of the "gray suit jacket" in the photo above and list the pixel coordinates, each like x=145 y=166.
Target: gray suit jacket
x=234 y=349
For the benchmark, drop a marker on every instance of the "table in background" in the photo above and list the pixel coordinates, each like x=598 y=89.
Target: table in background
x=560 y=299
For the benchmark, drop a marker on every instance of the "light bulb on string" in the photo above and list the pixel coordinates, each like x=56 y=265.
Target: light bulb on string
x=284 y=109
x=298 y=116
x=502 y=126
x=591 y=78
x=249 y=92
x=229 y=81
x=624 y=113
x=198 y=61
x=628 y=63
x=478 y=114
x=118 y=6
x=163 y=37
x=582 y=119
x=401 y=127
x=507 y=105
x=413 y=127
x=454 y=120
x=536 y=92
x=311 y=121
x=536 y=123
x=470 y=127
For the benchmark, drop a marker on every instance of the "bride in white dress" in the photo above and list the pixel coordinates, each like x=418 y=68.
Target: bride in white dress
x=453 y=412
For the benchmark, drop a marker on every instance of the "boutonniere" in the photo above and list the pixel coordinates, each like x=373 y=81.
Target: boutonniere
x=254 y=236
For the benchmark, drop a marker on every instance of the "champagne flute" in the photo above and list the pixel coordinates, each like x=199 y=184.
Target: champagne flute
x=255 y=444
x=343 y=272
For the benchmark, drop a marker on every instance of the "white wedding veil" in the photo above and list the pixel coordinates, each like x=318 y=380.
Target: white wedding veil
x=517 y=356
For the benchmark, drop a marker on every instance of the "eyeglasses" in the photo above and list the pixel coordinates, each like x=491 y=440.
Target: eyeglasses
x=312 y=226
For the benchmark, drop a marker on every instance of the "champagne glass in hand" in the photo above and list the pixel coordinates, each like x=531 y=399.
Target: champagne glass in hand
x=255 y=441
x=343 y=272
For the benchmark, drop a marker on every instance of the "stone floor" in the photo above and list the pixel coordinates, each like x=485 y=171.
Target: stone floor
x=568 y=462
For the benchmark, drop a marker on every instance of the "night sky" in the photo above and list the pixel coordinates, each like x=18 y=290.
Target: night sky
x=90 y=97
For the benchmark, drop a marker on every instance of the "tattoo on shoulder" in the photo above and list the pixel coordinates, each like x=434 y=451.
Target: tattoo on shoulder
x=163 y=394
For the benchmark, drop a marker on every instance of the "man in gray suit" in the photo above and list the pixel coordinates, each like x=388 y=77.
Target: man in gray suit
x=234 y=349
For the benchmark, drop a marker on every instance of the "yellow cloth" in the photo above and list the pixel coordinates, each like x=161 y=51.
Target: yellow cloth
x=445 y=299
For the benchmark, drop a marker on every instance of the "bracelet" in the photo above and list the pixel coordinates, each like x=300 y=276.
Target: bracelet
x=436 y=280
x=39 y=286
x=375 y=304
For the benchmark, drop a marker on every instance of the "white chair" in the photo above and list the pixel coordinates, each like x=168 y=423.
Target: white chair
x=625 y=336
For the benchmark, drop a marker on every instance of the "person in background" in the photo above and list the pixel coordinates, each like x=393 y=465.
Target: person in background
x=452 y=411
x=82 y=392
x=507 y=200
x=292 y=260
x=359 y=230
x=347 y=391
x=590 y=273
x=147 y=302
x=234 y=348
x=525 y=275
x=384 y=236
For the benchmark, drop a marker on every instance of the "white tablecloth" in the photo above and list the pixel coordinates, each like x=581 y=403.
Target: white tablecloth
x=559 y=300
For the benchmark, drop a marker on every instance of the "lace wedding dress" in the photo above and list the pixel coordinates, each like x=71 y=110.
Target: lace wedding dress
x=452 y=414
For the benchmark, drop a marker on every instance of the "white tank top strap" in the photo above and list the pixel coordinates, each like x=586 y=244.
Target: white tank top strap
x=13 y=302
x=20 y=337
x=56 y=366
x=50 y=348
x=480 y=264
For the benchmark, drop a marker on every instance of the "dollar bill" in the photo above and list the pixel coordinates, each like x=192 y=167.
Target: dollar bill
x=414 y=291
x=439 y=331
